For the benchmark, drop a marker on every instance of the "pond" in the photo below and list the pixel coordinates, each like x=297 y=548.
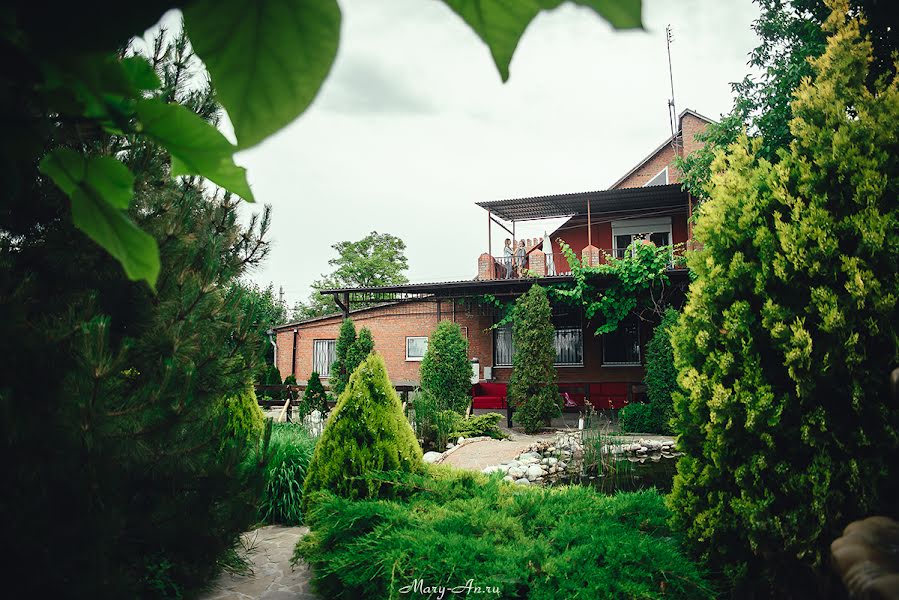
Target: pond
x=626 y=475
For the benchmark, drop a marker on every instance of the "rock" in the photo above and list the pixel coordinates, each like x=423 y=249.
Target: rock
x=490 y=469
x=561 y=465
x=509 y=478
x=551 y=461
x=517 y=472
x=529 y=461
x=527 y=455
x=450 y=445
x=522 y=481
x=534 y=471
x=551 y=449
x=432 y=457
x=461 y=439
x=513 y=463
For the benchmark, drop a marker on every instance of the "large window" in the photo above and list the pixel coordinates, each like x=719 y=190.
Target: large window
x=568 y=340
x=625 y=231
x=416 y=347
x=323 y=356
x=622 y=346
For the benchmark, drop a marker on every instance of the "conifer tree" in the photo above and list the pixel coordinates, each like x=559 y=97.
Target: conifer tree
x=789 y=335
x=445 y=370
x=314 y=397
x=340 y=375
x=359 y=351
x=533 y=392
x=367 y=433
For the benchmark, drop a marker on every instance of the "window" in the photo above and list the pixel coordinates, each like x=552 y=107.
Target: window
x=416 y=347
x=568 y=339
x=624 y=232
x=622 y=346
x=661 y=178
x=323 y=356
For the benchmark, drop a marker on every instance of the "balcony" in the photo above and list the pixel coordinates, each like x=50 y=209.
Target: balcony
x=537 y=264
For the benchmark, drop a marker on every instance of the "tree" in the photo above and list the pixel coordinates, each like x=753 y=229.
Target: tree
x=532 y=388
x=314 y=397
x=366 y=434
x=139 y=418
x=375 y=260
x=340 y=374
x=789 y=334
x=265 y=310
x=445 y=369
x=359 y=351
x=790 y=34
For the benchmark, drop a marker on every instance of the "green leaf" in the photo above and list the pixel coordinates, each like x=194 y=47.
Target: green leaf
x=501 y=23
x=267 y=58
x=197 y=148
x=100 y=188
x=140 y=73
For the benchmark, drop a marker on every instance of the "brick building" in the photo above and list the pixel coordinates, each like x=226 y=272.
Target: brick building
x=645 y=203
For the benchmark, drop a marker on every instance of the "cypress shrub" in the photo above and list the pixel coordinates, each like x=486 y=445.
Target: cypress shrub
x=638 y=418
x=314 y=397
x=245 y=420
x=345 y=340
x=366 y=433
x=445 y=370
x=359 y=351
x=789 y=335
x=532 y=388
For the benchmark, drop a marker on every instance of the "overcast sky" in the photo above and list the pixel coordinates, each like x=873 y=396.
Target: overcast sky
x=413 y=126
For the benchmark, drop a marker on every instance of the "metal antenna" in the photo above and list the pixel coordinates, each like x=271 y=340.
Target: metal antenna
x=672 y=111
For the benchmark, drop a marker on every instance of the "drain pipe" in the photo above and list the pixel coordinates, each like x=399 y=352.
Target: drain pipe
x=271 y=338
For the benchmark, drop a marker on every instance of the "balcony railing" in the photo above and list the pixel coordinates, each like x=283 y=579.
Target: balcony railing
x=538 y=264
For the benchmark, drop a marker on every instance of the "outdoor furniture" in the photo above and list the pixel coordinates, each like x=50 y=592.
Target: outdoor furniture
x=488 y=395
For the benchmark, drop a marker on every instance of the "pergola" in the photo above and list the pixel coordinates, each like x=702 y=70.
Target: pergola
x=620 y=203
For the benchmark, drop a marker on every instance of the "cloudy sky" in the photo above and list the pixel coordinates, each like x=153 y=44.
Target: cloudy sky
x=413 y=126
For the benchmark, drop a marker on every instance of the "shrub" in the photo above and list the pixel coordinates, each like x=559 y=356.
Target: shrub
x=340 y=375
x=314 y=397
x=290 y=452
x=245 y=421
x=445 y=369
x=450 y=526
x=433 y=425
x=661 y=374
x=638 y=418
x=359 y=351
x=472 y=426
x=532 y=388
x=789 y=334
x=366 y=433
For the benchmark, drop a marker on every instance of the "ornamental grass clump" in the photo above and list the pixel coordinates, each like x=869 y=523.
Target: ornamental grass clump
x=291 y=449
x=366 y=433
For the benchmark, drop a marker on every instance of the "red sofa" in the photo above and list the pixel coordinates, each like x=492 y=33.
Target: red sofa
x=488 y=395
x=608 y=395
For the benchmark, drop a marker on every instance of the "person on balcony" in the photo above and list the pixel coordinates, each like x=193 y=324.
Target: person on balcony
x=507 y=259
x=520 y=257
x=548 y=251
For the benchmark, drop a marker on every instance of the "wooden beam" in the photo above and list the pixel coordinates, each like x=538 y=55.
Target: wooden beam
x=489 y=233
x=589 y=224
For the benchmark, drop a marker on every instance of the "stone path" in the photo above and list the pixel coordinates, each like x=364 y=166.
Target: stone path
x=269 y=551
x=477 y=455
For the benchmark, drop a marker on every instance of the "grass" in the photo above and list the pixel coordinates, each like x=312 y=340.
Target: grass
x=291 y=450
x=449 y=528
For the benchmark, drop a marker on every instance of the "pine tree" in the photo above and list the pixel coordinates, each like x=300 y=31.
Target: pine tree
x=789 y=335
x=359 y=351
x=340 y=375
x=367 y=433
x=532 y=388
x=445 y=370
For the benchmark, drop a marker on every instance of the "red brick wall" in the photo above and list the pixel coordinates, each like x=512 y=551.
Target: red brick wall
x=390 y=325
x=574 y=232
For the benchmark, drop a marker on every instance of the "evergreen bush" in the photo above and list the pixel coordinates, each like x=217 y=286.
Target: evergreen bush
x=532 y=388
x=789 y=335
x=637 y=417
x=314 y=397
x=367 y=432
x=340 y=375
x=359 y=351
x=472 y=426
x=449 y=527
x=244 y=417
x=445 y=369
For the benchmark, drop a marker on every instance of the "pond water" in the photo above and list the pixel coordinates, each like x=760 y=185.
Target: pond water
x=627 y=476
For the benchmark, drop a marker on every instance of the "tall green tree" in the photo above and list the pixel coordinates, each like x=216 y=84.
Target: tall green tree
x=129 y=407
x=265 y=310
x=790 y=33
x=533 y=392
x=340 y=373
x=445 y=370
x=377 y=259
x=790 y=332
x=359 y=351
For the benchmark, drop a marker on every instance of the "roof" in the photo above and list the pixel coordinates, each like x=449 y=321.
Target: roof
x=447 y=288
x=605 y=201
x=662 y=146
